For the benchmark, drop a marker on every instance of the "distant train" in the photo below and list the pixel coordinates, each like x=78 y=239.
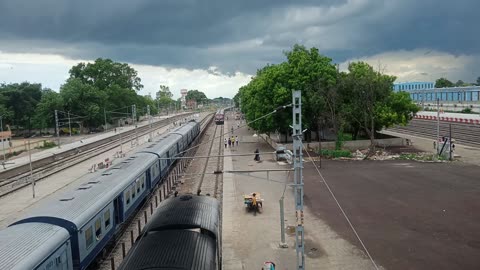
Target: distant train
x=70 y=230
x=182 y=234
x=220 y=117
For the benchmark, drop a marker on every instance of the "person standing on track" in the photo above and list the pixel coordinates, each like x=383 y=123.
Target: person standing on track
x=229 y=142
x=233 y=141
x=236 y=139
x=225 y=141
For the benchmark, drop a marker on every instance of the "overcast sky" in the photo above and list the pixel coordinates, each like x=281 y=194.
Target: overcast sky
x=217 y=45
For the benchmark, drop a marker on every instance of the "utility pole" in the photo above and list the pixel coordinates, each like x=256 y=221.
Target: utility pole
x=134 y=116
x=58 y=131
x=3 y=138
x=31 y=170
x=438 y=126
x=69 y=125
x=149 y=122
x=298 y=177
x=105 y=116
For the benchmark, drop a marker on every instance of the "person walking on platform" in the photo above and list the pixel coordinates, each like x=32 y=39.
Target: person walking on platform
x=229 y=142
x=225 y=141
x=257 y=155
x=233 y=141
x=236 y=140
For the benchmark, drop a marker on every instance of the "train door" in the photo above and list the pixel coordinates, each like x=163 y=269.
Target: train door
x=149 y=177
x=118 y=209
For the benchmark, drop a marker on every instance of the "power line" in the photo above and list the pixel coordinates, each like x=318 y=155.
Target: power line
x=233 y=129
x=341 y=209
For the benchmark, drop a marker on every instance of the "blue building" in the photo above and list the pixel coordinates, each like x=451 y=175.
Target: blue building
x=407 y=86
x=425 y=92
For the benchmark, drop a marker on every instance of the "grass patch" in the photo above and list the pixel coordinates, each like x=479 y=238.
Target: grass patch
x=335 y=153
x=47 y=145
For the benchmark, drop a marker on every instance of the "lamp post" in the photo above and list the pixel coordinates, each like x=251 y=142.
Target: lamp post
x=3 y=139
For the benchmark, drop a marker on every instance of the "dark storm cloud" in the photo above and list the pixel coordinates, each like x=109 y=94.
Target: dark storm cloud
x=234 y=35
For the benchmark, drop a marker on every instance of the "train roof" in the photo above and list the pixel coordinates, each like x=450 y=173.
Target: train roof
x=25 y=246
x=76 y=207
x=175 y=250
x=186 y=212
x=184 y=129
x=162 y=144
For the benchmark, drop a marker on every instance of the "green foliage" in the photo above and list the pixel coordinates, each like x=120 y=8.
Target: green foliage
x=467 y=110
x=18 y=102
x=360 y=99
x=47 y=145
x=443 y=82
x=335 y=153
x=196 y=95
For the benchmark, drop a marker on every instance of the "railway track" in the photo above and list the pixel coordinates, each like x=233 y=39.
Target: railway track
x=139 y=218
x=199 y=177
x=61 y=163
x=464 y=134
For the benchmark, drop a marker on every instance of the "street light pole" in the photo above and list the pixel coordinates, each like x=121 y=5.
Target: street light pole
x=58 y=131
x=105 y=116
x=3 y=139
x=69 y=125
x=31 y=171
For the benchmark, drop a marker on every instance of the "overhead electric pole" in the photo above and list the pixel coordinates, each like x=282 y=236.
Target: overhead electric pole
x=149 y=123
x=134 y=116
x=58 y=131
x=69 y=125
x=298 y=177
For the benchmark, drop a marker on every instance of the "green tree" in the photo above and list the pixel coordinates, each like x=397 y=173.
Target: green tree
x=84 y=100
x=196 y=95
x=19 y=102
x=104 y=73
x=44 y=112
x=316 y=76
x=442 y=83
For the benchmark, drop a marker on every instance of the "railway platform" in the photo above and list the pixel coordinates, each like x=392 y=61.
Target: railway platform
x=20 y=161
x=250 y=240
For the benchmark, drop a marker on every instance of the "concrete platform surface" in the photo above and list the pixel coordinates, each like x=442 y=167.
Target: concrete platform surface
x=249 y=240
x=24 y=159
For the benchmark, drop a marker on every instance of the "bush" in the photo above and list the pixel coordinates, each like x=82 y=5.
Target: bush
x=467 y=110
x=335 y=153
x=48 y=144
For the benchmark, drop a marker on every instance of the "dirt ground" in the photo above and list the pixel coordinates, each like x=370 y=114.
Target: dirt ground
x=410 y=215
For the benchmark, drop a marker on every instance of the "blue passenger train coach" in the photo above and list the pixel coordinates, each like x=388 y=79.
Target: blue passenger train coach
x=71 y=230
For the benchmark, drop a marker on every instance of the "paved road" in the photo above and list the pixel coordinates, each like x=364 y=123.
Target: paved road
x=410 y=215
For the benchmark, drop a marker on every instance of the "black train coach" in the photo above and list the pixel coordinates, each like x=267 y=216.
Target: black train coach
x=183 y=233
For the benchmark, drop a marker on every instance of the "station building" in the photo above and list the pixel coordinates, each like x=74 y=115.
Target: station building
x=425 y=92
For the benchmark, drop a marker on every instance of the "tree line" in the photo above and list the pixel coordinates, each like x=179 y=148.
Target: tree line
x=93 y=92
x=444 y=82
x=360 y=100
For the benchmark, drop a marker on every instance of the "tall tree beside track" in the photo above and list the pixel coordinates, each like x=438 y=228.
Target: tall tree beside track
x=361 y=99
x=102 y=85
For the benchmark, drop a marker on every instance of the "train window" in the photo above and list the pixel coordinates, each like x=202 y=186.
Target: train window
x=127 y=197
x=143 y=181
x=98 y=228
x=133 y=193
x=106 y=217
x=88 y=237
x=138 y=186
